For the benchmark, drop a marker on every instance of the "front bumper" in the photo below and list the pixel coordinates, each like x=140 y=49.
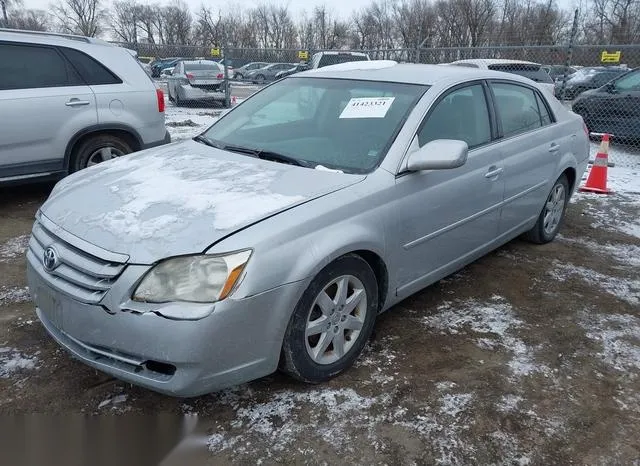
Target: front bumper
x=239 y=341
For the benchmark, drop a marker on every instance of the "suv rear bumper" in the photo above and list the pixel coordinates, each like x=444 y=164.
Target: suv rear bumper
x=165 y=140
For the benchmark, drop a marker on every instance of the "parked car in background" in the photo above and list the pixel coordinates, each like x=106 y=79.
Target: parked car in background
x=335 y=57
x=196 y=80
x=587 y=78
x=559 y=72
x=527 y=69
x=296 y=69
x=167 y=72
x=70 y=102
x=613 y=108
x=240 y=73
x=267 y=73
x=275 y=238
x=161 y=64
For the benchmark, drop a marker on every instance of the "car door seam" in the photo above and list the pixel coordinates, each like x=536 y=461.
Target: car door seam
x=457 y=224
x=525 y=192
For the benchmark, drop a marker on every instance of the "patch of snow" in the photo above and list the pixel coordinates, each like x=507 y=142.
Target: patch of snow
x=326 y=169
x=624 y=289
x=271 y=427
x=231 y=192
x=14 y=295
x=497 y=323
x=113 y=401
x=12 y=361
x=13 y=248
x=452 y=405
x=509 y=403
x=628 y=254
x=619 y=335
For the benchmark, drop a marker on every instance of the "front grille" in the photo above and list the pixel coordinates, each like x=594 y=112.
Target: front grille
x=83 y=276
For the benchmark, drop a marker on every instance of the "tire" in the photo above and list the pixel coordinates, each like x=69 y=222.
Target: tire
x=544 y=232
x=238 y=76
x=177 y=100
x=95 y=149
x=260 y=79
x=333 y=319
x=171 y=99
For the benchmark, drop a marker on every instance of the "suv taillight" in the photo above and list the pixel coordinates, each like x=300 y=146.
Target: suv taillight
x=160 y=96
x=586 y=130
x=189 y=76
x=220 y=76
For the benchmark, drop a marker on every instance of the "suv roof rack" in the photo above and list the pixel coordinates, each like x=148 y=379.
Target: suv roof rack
x=88 y=40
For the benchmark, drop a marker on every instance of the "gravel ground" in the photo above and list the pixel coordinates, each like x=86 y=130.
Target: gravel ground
x=530 y=355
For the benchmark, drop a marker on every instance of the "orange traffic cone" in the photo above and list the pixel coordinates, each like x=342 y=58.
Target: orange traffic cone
x=597 y=180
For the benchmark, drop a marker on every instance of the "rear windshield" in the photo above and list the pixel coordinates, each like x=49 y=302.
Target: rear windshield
x=330 y=59
x=201 y=67
x=533 y=72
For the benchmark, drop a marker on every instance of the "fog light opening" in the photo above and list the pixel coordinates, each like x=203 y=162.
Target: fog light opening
x=160 y=367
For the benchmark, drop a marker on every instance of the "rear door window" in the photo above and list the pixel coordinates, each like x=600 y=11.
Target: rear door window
x=518 y=108
x=32 y=67
x=92 y=72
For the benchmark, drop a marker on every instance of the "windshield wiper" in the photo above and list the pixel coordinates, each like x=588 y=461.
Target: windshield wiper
x=209 y=142
x=265 y=155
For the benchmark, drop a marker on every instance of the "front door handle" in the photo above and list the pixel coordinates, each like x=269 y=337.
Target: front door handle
x=77 y=103
x=554 y=147
x=493 y=172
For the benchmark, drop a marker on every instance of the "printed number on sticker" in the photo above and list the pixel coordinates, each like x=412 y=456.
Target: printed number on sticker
x=367 y=107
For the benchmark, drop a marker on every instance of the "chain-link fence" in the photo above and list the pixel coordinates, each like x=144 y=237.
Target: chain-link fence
x=597 y=82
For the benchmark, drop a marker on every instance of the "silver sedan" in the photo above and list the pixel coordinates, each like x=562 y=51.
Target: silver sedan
x=276 y=237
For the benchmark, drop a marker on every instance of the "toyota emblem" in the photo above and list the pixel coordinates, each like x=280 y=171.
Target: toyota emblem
x=50 y=259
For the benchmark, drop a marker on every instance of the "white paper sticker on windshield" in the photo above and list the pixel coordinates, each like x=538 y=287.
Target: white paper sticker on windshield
x=367 y=107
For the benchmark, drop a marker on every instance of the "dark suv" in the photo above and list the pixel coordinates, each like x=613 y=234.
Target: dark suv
x=587 y=78
x=613 y=108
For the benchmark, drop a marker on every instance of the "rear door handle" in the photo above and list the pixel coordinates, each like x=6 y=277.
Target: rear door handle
x=77 y=103
x=493 y=172
x=554 y=147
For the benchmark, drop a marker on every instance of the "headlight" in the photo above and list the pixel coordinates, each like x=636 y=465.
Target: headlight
x=201 y=279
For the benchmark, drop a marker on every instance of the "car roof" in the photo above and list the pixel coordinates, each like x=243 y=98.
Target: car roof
x=389 y=71
x=200 y=62
x=52 y=38
x=495 y=61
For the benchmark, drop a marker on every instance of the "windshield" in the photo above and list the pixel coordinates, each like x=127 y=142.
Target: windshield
x=339 y=124
x=533 y=72
x=336 y=59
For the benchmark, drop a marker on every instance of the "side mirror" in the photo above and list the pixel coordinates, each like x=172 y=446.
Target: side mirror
x=611 y=87
x=440 y=154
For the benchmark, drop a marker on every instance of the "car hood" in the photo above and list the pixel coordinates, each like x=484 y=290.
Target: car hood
x=179 y=199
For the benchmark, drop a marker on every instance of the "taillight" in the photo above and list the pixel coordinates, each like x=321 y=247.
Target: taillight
x=220 y=76
x=160 y=96
x=586 y=130
x=189 y=76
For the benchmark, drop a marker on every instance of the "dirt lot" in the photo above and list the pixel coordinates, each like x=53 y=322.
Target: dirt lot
x=529 y=356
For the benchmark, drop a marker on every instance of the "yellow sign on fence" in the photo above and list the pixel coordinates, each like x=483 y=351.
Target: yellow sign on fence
x=610 y=57
x=215 y=52
x=303 y=55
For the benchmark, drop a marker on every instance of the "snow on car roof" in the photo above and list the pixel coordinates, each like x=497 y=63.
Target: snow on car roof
x=494 y=61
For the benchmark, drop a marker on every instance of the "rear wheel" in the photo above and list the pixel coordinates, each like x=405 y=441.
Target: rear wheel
x=98 y=149
x=550 y=219
x=332 y=321
x=261 y=79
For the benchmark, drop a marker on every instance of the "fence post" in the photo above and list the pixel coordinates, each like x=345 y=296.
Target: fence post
x=574 y=30
x=227 y=84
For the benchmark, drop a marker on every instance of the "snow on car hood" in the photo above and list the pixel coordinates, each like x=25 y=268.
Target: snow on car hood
x=179 y=199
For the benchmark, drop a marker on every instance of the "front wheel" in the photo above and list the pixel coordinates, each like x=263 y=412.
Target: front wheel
x=332 y=321
x=550 y=219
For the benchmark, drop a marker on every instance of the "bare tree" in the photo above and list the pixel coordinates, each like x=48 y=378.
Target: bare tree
x=30 y=20
x=84 y=17
x=175 y=23
x=7 y=6
x=124 y=20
